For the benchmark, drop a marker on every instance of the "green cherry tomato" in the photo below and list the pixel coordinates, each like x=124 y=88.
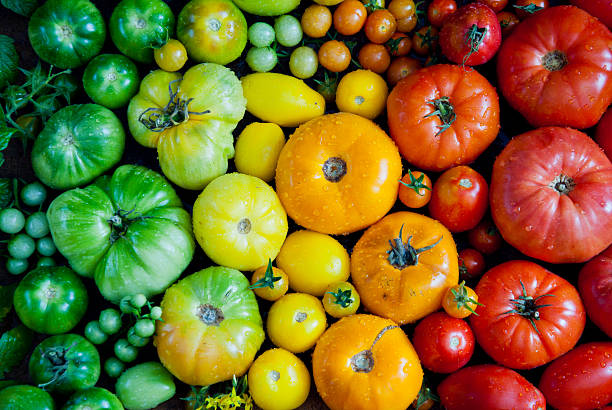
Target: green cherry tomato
x=11 y=220
x=111 y=80
x=45 y=246
x=261 y=34
x=94 y=398
x=94 y=334
x=36 y=225
x=136 y=340
x=261 y=59
x=113 y=367
x=145 y=386
x=24 y=397
x=303 y=62
x=156 y=313
x=33 y=194
x=288 y=30
x=16 y=266
x=125 y=351
x=138 y=300
x=45 y=261
x=110 y=321
x=144 y=328
x=21 y=246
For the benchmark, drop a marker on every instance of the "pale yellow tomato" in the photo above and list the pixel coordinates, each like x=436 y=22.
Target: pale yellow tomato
x=362 y=92
x=258 y=148
x=312 y=261
x=341 y=299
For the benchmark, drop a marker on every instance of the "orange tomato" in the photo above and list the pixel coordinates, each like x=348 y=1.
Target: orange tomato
x=399 y=44
x=374 y=57
x=460 y=301
x=334 y=55
x=404 y=12
x=425 y=40
x=349 y=17
x=415 y=189
x=316 y=21
x=402 y=67
x=380 y=26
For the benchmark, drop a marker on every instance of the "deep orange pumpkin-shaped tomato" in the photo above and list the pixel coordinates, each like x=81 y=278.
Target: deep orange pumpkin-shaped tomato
x=443 y=115
x=366 y=362
x=338 y=173
x=403 y=265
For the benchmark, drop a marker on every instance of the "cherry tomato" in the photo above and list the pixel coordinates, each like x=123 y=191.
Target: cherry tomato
x=380 y=26
x=425 y=40
x=485 y=237
x=172 y=56
x=269 y=283
x=349 y=17
x=402 y=67
x=404 y=12
x=374 y=57
x=415 y=189
x=316 y=21
x=303 y=62
x=439 y=10
x=526 y=8
x=341 y=299
x=471 y=263
x=460 y=301
x=399 y=44
x=496 y=5
x=507 y=22
x=334 y=55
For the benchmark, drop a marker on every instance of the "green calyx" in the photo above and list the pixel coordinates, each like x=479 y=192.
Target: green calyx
x=445 y=112
x=463 y=300
x=416 y=184
x=344 y=298
x=403 y=254
x=473 y=39
x=268 y=279
x=527 y=306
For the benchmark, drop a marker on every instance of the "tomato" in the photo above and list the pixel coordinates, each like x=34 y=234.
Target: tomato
x=288 y=30
x=50 y=300
x=402 y=67
x=36 y=225
x=23 y=397
x=602 y=9
x=362 y=92
x=172 y=56
x=269 y=283
x=213 y=31
x=439 y=10
x=21 y=246
x=200 y=314
x=471 y=35
x=425 y=40
x=380 y=26
x=341 y=299
x=415 y=189
x=45 y=246
x=213 y=100
x=355 y=186
x=239 y=221
x=460 y=301
x=563 y=211
x=257 y=150
x=296 y=321
x=444 y=343
x=507 y=22
x=350 y=17
x=366 y=362
x=404 y=277
x=93 y=398
x=374 y=57
x=303 y=62
x=488 y=386
x=442 y=116
x=528 y=317
x=261 y=59
x=404 y=12
x=485 y=237
x=67 y=33
x=145 y=386
x=526 y=8
x=495 y=5
x=537 y=63
x=78 y=143
x=279 y=380
x=274 y=7
x=334 y=55
x=471 y=263
x=261 y=34
x=316 y=21
x=459 y=198
x=603 y=134
x=33 y=194
x=595 y=286
x=581 y=379
x=312 y=261
x=65 y=363
x=398 y=45
x=111 y=80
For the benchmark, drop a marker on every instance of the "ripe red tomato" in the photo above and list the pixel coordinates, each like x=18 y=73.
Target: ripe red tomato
x=471 y=263
x=425 y=40
x=444 y=344
x=471 y=35
x=374 y=57
x=526 y=8
x=399 y=44
x=485 y=237
x=595 y=286
x=603 y=134
x=459 y=198
x=582 y=379
x=439 y=10
x=496 y=5
x=551 y=195
x=488 y=386
x=507 y=22
x=557 y=69
x=529 y=316
x=602 y=9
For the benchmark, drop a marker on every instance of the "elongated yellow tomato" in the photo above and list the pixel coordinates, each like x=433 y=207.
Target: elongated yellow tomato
x=189 y=120
x=281 y=99
x=239 y=221
x=258 y=148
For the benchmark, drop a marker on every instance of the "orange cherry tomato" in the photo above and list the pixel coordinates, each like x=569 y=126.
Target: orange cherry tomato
x=316 y=21
x=349 y=17
x=404 y=12
x=334 y=55
x=374 y=57
x=439 y=10
x=425 y=40
x=507 y=22
x=380 y=26
x=415 y=189
x=460 y=301
x=526 y=8
x=399 y=44
x=269 y=283
x=402 y=67
x=172 y=56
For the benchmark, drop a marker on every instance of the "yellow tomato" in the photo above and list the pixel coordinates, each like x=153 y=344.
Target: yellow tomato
x=258 y=148
x=281 y=99
x=362 y=92
x=172 y=56
x=296 y=321
x=278 y=380
x=341 y=299
x=239 y=221
x=312 y=261
x=328 y=2
x=269 y=283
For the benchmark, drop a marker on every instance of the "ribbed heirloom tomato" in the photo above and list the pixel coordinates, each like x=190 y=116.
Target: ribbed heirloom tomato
x=595 y=286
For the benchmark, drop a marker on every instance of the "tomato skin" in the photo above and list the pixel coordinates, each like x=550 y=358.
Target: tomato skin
x=581 y=379
x=602 y=9
x=145 y=386
x=595 y=286
x=362 y=92
x=95 y=398
x=471 y=263
x=334 y=55
x=425 y=40
x=172 y=56
x=402 y=67
x=489 y=387
x=603 y=134
x=542 y=96
x=564 y=214
x=399 y=45
x=316 y=21
x=349 y=17
x=257 y=149
x=404 y=12
x=380 y=26
x=485 y=237
x=444 y=343
x=439 y=10
x=374 y=57
x=510 y=338
x=22 y=397
x=496 y=5
x=111 y=80
x=507 y=22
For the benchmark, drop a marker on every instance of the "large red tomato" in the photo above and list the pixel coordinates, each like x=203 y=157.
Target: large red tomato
x=551 y=195
x=528 y=317
x=556 y=68
x=602 y=9
x=443 y=115
x=595 y=286
x=603 y=134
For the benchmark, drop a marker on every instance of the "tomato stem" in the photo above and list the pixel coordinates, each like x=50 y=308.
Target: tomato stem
x=527 y=307
x=402 y=255
x=210 y=315
x=473 y=39
x=343 y=298
x=57 y=356
x=529 y=8
x=268 y=279
x=363 y=362
x=562 y=184
x=554 y=60
x=463 y=300
x=445 y=112
x=415 y=183
x=334 y=169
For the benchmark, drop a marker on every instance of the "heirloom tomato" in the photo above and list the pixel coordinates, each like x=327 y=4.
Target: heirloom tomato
x=338 y=173
x=443 y=115
x=341 y=299
x=528 y=316
x=189 y=120
x=145 y=386
x=603 y=134
x=403 y=265
x=556 y=69
x=94 y=398
x=23 y=397
x=210 y=328
x=366 y=362
x=602 y=9
x=111 y=80
x=362 y=92
x=595 y=286
x=415 y=189
x=551 y=195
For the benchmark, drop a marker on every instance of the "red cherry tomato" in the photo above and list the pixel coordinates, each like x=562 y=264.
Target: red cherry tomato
x=496 y=5
x=507 y=22
x=439 y=10
x=485 y=237
x=471 y=263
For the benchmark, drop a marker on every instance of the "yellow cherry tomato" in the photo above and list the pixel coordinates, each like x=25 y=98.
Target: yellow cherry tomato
x=258 y=148
x=341 y=299
x=172 y=56
x=269 y=283
x=312 y=261
x=328 y=2
x=460 y=301
x=296 y=321
x=362 y=92
x=278 y=380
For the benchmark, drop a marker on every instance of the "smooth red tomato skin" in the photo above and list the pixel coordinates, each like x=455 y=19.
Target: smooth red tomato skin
x=510 y=338
x=603 y=134
x=439 y=10
x=575 y=95
x=459 y=198
x=602 y=9
x=471 y=263
x=485 y=237
x=496 y=5
x=527 y=204
x=444 y=344
x=581 y=379
x=489 y=387
x=595 y=286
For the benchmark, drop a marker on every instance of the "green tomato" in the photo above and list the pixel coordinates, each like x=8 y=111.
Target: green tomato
x=67 y=33
x=6 y=383
x=65 y=363
x=139 y=26
x=261 y=34
x=144 y=328
x=156 y=313
x=45 y=261
x=111 y=80
x=16 y=266
x=113 y=367
x=138 y=300
x=36 y=225
x=303 y=62
x=126 y=307
x=145 y=386
x=78 y=143
x=50 y=300
x=24 y=397
x=262 y=59
x=288 y=30
x=45 y=246
x=33 y=194
x=94 y=398
x=21 y=246
x=125 y=351
x=11 y=220
x=136 y=340
x=94 y=333
x=267 y=7
x=110 y=321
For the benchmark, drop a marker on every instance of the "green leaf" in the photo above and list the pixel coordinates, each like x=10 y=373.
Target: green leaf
x=8 y=60
x=14 y=346
x=5 y=199
x=6 y=297
x=22 y=7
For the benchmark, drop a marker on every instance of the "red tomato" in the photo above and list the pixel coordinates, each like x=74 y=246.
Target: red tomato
x=444 y=344
x=582 y=379
x=349 y=17
x=527 y=8
x=471 y=35
x=557 y=68
x=603 y=134
x=602 y=9
x=529 y=316
x=496 y=5
x=459 y=198
x=489 y=387
x=439 y=10
x=471 y=263
x=551 y=195
x=507 y=22
x=485 y=237
x=595 y=286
